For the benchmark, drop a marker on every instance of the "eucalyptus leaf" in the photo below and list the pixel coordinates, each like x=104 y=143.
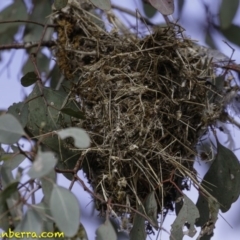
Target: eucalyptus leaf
x=6 y=176
x=148 y=9
x=71 y=112
x=20 y=112
x=227 y=12
x=81 y=138
x=222 y=177
x=65 y=210
x=17 y=10
x=151 y=208
x=10 y=129
x=9 y=190
x=28 y=79
x=187 y=215
x=59 y=4
x=138 y=229
x=165 y=7
x=232 y=33
x=48 y=182
x=32 y=222
x=15 y=206
x=106 y=232
x=102 y=4
x=12 y=161
x=4 y=211
x=43 y=164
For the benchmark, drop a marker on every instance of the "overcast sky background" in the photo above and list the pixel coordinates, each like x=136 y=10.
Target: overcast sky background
x=12 y=92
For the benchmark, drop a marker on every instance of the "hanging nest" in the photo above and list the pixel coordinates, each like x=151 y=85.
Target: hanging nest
x=145 y=102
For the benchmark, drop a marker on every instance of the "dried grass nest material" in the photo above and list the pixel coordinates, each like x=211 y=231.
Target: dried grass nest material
x=144 y=102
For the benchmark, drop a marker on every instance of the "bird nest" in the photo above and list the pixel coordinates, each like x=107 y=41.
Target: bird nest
x=144 y=100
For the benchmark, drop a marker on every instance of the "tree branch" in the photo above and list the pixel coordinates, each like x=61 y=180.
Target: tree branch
x=28 y=21
x=132 y=13
x=27 y=45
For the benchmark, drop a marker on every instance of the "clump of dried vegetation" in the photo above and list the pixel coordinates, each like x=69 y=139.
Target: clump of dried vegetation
x=146 y=103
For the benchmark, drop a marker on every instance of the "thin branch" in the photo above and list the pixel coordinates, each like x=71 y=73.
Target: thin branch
x=27 y=45
x=28 y=21
x=41 y=40
x=132 y=13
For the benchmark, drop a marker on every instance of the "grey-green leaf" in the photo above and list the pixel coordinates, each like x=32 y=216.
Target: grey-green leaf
x=48 y=182
x=138 y=229
x=232 y=33
x=188 y=214
x=151 y=208
x=227 y=12
x=106 y=232
x=165 y=7
x=28 y=79
x=59 y=4
x=9 y=191
x=32 y=222
x=11 y=160
x=102 y=4
x=73 y=113
x=223 y=177
x=10 y=129
x=65 y=210
x=42 y=165
x=20 y=112
x=81 y=138
x=148 y=9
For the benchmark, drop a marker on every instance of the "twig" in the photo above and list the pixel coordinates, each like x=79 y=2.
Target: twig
x=28 y=21
x=41 y=40
x=132 y=13
x=27 y=45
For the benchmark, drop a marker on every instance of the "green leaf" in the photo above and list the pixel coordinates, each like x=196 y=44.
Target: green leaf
x=12 y=161
x=138 y=229
x=28 y=79
x=4 y=213
x=232 y=33
x=65 y=210
x=10 y=129
x=59 y=4
x=44 y=118
x=151 y=208
x=8 y=35
x=39 y=13
x=6 y=176
x=188 y=214
x=106 y=232
x=149 y=10
x=223 y=177
x=9 y=191
x=81 y=138
x=43 y=164
x=15 y=11
x=227 y=12
x=165 y=7
x=20 y=112
x=43 y=64
x=32 y=222
x=48 y=182
x=102 y=4
x=180 y=6
x=15 y=206
x=71 y=112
